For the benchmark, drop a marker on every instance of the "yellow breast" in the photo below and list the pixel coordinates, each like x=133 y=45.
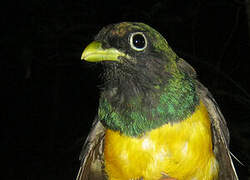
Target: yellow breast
x=181 y=150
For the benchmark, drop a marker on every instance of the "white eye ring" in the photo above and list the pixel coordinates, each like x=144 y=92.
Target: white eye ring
x=138 y=41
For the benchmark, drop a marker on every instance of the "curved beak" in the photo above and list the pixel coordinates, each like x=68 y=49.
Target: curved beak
x=95 y=53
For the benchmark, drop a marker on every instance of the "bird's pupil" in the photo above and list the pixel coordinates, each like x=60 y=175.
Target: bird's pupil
x=138 y=41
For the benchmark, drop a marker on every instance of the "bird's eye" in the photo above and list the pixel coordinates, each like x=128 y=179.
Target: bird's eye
x=138 y=41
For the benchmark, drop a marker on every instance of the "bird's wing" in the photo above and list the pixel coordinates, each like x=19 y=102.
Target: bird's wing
x=220 y=131
x=220 y=135
x=92 y=154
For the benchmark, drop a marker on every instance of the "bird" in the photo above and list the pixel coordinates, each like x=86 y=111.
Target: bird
x=155 y=119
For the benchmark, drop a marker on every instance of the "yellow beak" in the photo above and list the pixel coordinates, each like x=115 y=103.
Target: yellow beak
x=95 y=53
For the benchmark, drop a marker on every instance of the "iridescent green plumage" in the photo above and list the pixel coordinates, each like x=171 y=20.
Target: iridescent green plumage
x=171 y=103
x=158 y=92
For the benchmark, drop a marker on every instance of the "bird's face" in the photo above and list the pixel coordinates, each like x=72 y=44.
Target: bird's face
x=131 y=41
x=131 y=52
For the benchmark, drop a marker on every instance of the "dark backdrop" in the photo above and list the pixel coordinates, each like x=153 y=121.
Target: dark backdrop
x=50 y=97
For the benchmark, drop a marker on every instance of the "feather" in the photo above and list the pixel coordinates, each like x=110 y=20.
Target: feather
x=220 y=135
x=92 y=155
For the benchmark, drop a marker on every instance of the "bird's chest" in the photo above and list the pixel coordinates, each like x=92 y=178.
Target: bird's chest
x=182 y=150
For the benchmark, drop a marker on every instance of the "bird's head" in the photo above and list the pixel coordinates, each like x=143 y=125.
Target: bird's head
x=127 y=41
x=145 y=83
x=133 y=54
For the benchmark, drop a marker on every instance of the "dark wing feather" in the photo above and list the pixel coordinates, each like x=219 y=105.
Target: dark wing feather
x=220 y=135
x=92 y=155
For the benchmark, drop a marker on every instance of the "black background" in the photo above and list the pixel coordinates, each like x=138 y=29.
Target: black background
x=50 y=97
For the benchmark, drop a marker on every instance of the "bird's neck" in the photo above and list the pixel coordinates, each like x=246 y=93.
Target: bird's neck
x=134 y=114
